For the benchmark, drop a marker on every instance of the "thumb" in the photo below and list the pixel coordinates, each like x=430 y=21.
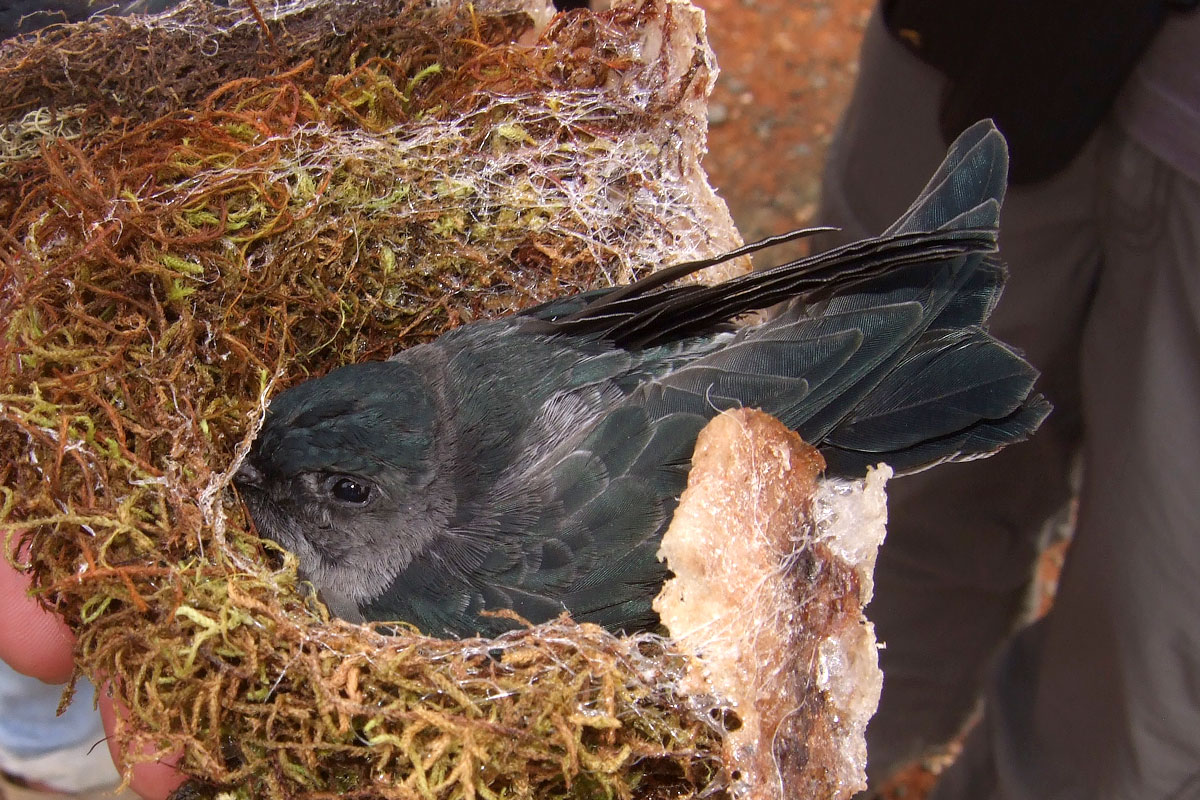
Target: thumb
x=33 y=641
x=153 y=780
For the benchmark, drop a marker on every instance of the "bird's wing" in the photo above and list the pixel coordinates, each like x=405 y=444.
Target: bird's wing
x=563 y=507
x=956 y=214
x=603 y=502
x=659 y=316
x=882 y=356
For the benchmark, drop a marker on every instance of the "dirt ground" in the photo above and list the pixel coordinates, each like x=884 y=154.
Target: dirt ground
x=787 y=68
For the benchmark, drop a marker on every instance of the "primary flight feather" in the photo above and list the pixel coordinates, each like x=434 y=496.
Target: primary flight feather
x=533 y=462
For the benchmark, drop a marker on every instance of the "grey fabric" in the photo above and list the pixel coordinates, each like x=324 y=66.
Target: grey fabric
x=1102 y=699
x=37 y=744
x=1160 y=104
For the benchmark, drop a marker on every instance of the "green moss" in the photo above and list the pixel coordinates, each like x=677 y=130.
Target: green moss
x=196 y=236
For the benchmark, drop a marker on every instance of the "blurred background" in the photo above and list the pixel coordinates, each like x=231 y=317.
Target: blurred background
x=787 y=68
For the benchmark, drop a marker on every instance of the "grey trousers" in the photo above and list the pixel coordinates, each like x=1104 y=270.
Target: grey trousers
x=1101 y=699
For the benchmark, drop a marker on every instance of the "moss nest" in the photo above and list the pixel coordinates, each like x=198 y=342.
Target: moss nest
x=204 y=207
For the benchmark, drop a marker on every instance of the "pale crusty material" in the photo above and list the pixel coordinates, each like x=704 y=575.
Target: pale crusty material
x=772 y=568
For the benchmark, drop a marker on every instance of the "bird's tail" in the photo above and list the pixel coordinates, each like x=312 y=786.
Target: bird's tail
x=947 y=390
x=967 y=189
x=889 y=360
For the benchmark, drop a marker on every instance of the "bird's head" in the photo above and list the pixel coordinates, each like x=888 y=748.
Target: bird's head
x=341 y=474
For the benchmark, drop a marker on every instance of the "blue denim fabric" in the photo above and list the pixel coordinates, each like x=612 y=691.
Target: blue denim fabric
x=28 y=724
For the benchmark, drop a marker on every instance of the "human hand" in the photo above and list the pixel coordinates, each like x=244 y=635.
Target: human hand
x=35 y=642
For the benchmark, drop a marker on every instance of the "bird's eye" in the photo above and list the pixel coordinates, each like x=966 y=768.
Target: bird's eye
x=350 y=491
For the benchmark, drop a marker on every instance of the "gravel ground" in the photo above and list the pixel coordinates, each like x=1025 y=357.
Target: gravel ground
x=787 y=68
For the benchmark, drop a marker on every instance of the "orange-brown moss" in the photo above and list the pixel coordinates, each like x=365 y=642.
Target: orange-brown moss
x=197 y=215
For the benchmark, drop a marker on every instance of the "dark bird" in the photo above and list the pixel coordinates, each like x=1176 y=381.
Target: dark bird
x=533 y=462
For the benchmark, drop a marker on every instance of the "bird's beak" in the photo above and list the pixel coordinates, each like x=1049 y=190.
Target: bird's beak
x=247 y=474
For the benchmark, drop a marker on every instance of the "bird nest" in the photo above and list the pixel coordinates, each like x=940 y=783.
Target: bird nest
x=207 y=206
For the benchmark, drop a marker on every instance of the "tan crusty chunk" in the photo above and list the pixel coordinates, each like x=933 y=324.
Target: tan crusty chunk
x=772 y=566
